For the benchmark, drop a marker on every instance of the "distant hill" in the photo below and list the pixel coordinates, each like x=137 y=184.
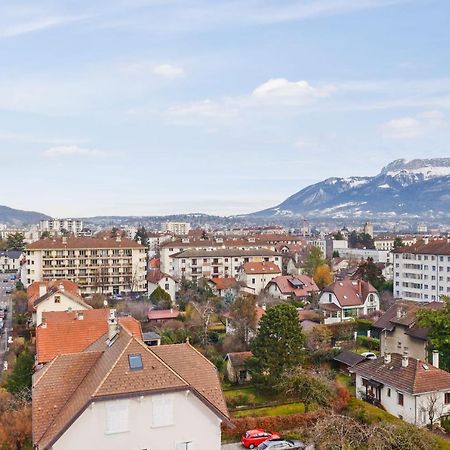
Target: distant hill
x=419 y=188
x=17 y=217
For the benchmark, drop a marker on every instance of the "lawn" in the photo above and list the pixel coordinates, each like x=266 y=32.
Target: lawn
x=277 y=410
x=247 y=396
x=346 y=381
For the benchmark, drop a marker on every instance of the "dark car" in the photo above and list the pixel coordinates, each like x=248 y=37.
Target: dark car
x=282 y=444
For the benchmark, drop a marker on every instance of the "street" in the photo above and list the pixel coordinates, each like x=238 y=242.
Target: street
x=5 y=299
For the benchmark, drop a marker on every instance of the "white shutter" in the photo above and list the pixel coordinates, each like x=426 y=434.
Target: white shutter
x=117 y=416
x=162 y=410
x=187 y=445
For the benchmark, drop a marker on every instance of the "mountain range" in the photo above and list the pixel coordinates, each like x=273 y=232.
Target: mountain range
x=419 y=188
x=17 y=217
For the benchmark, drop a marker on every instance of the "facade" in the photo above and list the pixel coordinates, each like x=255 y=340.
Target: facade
x=295 y=287
x=405 y=387
x=108 y=265
x=381 y=256
x=386 y=242
x=10 y=261
x=399 y=332
x=177 y=228
x=157 y=278
x=122 y=394
x=58 y=226
x=347 y=299
x=224 y=286
x=422 y=270
x=220 y=263
x=236 y=369
x=256 y=275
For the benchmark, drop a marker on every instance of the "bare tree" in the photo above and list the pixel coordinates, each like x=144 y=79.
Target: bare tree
x=433 y=409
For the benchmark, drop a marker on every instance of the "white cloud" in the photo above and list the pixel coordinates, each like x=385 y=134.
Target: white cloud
x=73 y=150
x=413 y=127
x=169 y=71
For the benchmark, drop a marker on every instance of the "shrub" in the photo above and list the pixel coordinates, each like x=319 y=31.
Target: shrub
x=363 y=324
x=369 y=342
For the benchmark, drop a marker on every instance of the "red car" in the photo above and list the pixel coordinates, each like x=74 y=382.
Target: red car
x=252 y=438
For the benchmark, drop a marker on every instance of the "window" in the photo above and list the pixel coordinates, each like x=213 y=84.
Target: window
x=116 y=416
x=188 y=445
x=135 y=362
x=400 y=399
x=447 y=398
x=253 y=281
x=166 y=286
x=330 y=298
x=389 y=392
x=57 y=299
x=162 y=410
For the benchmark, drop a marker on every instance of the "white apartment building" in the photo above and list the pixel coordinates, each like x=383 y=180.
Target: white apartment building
x=422 y=270
x=386 y=242
x=57 y=226
x=101 y=265
x=257 y=275
x=178 y=228
x=219 y=263
x=10 y=261
x=381 y=256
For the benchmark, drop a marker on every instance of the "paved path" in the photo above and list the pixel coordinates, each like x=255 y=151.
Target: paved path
x=237 y=446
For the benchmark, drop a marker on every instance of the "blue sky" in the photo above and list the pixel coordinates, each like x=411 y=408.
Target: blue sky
x=162 y=106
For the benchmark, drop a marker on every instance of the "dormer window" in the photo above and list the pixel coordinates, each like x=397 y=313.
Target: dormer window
x=135 y=362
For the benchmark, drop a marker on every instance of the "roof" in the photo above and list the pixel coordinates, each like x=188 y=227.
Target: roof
x=162 y=314
x=419 y=377
x=102 y=375
x=83 y=243
x=298 y=285
x=154 y=263
x=261 y=268
x=34 y=288
x=223 y=283
x=238 y=358
x=65 y=332
x=427 y=247
x=60 y=290
x=13 y=254
x=349 y=358
x=155 y=276
x=150 y=336
x=350 y=292
x=224 y=252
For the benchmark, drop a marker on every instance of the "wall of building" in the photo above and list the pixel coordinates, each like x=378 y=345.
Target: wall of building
x=397 y=341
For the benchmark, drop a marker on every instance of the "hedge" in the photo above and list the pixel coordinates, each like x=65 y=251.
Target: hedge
x=369 y=342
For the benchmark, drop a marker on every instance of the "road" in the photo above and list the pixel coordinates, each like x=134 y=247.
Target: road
x=5 y=298
x=237 y=446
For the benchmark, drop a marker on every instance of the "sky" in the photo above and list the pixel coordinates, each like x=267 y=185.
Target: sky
x=153 y=107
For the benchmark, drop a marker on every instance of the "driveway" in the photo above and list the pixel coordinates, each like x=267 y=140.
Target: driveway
x=237 y=446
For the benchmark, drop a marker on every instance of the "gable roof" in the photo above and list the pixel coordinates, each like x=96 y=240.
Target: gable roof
x=298 y=285
x=155 y=275
x=34 y=288
x=419 y=377
x=223 y=283
x=351 y=292
x=65 y=332
x=61 y=291
x=105 y=374
x=260 y=268
x=349 y=358
x=238 y=359
x=162 y=314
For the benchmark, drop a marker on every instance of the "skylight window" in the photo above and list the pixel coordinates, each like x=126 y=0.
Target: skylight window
x=135 y=362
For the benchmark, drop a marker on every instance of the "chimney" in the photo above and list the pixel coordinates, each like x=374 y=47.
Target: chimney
x=61 y=287
x=113 y=329
x=436 y=358
x=42 y=289
x=64 y=240
x=118 y=238
x=387 y=358
x=399 y=312
x=44 y=323
x=405 y=361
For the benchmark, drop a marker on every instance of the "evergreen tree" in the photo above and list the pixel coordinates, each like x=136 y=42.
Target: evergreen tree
x=161 y=298
x=15 y=241
x=20 y=378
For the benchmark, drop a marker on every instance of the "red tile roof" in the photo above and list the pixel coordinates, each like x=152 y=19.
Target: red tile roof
x=72 y=242
x=154 y=263
x=224 y=283
x=261 y=267
x=351 y=292
x=432 y=247
x=154 y=276
x=162 y=314
x=33 y=289
x=66 y=332
x=287 y=285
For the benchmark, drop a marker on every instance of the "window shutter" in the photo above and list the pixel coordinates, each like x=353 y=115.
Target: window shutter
x=162 y=410
x=117 y=416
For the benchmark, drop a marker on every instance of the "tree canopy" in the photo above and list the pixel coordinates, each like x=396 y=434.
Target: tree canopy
x=15 y=241
x=323 y=276
x=314 y=260
x=278 y=345
x=20 y=378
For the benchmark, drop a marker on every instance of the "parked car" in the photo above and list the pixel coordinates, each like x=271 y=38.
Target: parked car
x=252 y=438
x=9 y=291
x=5 y=280
x=369 y=355
x=282 y=444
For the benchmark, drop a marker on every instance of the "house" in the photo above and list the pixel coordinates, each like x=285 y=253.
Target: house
x=399 y=332
x=237 y=371
x=256 y=275
x=64 y=332
x=345 y=360
x=151 y=338
x=347 y=299
x=161 y=316
x=224 y=286
x=120 y=394
x=422 y=270
x=10 y=261
x=56 y=295
x=299 y=287
x=405 y=387
x=97 y=265
x=166 y=282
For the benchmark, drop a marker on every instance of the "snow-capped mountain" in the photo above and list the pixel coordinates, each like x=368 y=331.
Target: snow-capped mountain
x=416 y=188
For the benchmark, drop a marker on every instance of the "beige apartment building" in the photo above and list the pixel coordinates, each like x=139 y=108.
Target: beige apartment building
x=96 y=265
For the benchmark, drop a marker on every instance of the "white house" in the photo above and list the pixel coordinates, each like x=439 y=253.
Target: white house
x=157 y=278
x=256 y=275
x=296 y=287
x=405 y=387
x=347 y=299
x=121 y=394
x=10 y=261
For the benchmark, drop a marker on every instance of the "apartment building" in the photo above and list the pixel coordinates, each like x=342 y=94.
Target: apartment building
x=178 y=228
x=57 y=226
x=219 y=263
x=97 y=265
x=386 y=242
x=10 y=261
x=422 y=270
